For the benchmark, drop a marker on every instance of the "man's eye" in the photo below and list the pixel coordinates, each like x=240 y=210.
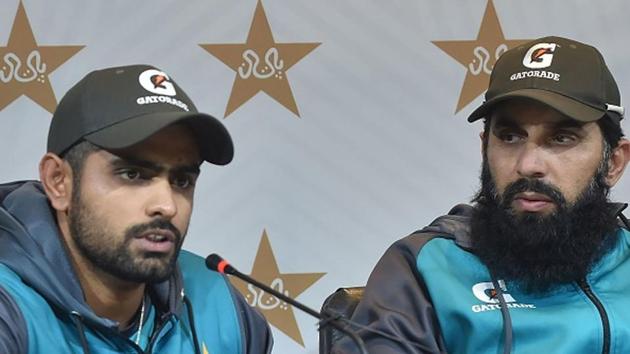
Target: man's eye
x=509 y=137
x=131 y=175
x=183 y=182
x=563 y=138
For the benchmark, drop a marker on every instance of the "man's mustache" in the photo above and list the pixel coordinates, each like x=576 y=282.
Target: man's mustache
x=531 y=185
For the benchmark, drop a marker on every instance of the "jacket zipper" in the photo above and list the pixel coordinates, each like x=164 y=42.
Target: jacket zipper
x=602 y=313
x=156 y=332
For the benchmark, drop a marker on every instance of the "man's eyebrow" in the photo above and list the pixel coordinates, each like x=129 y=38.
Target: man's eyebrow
x=193 y=168
x=504 y=121
x=119 y=161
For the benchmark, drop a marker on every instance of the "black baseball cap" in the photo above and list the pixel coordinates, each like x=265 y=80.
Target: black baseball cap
x=567 y=75
x=118 y=107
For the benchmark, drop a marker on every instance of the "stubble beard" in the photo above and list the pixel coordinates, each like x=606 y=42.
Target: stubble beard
x=113 y=254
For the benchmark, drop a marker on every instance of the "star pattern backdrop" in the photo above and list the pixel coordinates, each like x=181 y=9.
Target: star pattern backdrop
x=246 y=58
x=26 y=65
x=382 y=90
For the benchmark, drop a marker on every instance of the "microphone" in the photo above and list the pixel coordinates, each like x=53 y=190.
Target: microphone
x=218 y=264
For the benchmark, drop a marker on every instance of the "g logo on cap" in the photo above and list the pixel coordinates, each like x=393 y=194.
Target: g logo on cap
x=539 y=55
x=157 y=82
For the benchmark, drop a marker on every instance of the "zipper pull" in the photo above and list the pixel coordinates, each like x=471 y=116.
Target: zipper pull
x=582 y=283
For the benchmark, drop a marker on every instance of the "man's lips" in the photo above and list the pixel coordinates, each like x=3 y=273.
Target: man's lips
x=158 y=235
x=156 y=240
x=532 y=202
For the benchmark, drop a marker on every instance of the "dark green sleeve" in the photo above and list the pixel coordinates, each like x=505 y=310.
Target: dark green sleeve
x=396 y=301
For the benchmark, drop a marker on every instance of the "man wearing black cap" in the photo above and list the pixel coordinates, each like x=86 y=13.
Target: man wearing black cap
x=90 y=258
x=540 y=263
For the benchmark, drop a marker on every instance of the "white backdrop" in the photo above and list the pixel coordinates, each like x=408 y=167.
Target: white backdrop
x=377 y=152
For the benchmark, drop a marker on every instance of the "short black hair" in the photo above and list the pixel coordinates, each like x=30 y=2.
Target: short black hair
x=611 y=131
x=76 y=155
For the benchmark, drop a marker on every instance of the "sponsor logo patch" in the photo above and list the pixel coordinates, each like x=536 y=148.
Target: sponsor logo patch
x=486 y=293
x=158 y=82
x=539 y=56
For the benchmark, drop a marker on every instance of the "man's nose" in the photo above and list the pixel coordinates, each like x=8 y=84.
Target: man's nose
x=531 y=161
x=162 y=202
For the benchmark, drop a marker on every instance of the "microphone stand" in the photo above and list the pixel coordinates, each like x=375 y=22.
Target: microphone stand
x=324 y=320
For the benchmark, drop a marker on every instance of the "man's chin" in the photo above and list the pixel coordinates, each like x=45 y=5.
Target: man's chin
x=149 y=268
x=151 y=275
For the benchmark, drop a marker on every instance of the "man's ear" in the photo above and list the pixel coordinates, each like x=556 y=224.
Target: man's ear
x=618 y=162
x=56 y=177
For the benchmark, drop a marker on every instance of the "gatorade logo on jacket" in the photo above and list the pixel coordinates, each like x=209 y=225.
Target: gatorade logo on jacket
x=486 y=292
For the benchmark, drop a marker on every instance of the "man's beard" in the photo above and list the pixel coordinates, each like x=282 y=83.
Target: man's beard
x=112 y=253
x=541 y=252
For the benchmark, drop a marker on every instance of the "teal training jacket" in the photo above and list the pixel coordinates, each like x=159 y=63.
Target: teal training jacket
x=42 y=309
x=433 y=295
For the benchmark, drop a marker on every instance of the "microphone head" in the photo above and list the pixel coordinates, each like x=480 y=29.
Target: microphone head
x=212 y=261
x=218 y=264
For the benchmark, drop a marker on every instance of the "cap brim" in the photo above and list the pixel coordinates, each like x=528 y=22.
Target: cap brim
x=215 y=143
x=567 y=106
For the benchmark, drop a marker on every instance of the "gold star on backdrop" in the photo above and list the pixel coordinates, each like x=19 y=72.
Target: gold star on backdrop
x=260 y=64
x=277 y=312
x=478 y=56
x=25 y=66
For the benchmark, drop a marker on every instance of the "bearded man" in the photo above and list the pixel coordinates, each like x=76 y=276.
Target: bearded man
x=540 y=263
x=90 y=255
